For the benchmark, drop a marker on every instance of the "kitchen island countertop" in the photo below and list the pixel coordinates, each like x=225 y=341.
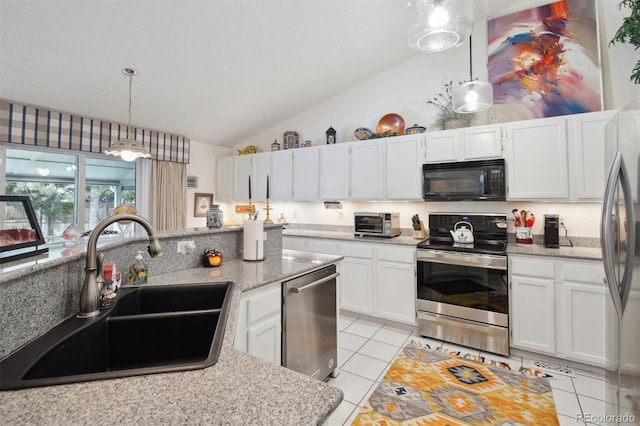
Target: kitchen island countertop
x=238 y=389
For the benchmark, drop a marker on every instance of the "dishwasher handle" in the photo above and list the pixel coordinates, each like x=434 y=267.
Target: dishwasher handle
x=315 y=283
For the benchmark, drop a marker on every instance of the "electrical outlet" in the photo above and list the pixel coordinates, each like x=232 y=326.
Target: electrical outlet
x=186 y=247
x=295 y=214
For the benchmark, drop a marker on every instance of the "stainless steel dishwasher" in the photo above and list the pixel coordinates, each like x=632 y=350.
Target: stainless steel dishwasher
x=309 y=324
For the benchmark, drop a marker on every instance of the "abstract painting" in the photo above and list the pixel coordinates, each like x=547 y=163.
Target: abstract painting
x=544 y=61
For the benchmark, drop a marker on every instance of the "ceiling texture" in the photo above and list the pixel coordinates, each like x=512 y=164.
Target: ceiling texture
x=212 y=70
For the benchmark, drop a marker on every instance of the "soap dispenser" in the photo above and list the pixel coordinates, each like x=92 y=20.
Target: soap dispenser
x=138 y=271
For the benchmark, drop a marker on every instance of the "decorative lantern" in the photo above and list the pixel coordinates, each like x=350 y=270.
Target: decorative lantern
x=275 y=146
x=331 y=135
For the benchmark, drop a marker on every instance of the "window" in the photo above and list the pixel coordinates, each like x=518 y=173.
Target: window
x=54 y=182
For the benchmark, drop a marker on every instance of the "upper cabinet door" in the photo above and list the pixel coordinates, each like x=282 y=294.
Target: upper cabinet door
x=260 y=168
x=367 y=170
x=225 y=177
x=281 y=175
x=242 y=165
x=305 y=174
x=334 y=172
x=536 y=157
x=444 y=146
x=587 y=163
x=404 y=159
x=482 y=142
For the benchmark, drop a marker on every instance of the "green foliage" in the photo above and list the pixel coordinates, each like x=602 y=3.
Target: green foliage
x=629 y=32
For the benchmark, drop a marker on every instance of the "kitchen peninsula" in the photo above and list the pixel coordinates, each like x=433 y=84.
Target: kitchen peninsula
x=238 y=389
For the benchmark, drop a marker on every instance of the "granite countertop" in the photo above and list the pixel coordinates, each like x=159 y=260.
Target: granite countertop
x=405 y=240
x=585 y=253
x=238 y=389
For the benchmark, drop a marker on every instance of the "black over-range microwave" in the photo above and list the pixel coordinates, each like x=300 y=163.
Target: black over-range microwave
x=464 y=180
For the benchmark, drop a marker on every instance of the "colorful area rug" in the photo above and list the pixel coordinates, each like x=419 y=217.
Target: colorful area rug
x=436 y=387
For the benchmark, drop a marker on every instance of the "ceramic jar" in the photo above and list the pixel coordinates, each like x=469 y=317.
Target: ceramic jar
x=214 y=216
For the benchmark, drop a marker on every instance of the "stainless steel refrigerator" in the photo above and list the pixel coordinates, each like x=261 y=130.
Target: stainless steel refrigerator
x=619 y=233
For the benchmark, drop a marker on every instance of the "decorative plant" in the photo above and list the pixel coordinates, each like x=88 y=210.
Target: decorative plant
x=443 y=102
x=629 y=32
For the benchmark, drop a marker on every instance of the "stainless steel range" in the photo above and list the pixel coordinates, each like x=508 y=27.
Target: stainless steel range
x=462 y=283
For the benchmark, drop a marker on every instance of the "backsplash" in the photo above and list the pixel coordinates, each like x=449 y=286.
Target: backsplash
x=34 y=301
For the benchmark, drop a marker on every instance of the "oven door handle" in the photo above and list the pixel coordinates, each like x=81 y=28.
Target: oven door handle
x=463 y=259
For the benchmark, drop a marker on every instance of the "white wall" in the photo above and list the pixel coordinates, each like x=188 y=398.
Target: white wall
x=203 y=164
x=581 y=219
x=405 y=88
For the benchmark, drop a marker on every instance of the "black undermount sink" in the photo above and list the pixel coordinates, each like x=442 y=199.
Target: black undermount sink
x=152 y=329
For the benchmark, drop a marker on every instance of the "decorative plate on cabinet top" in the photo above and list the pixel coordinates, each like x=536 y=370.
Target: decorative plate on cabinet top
x=362 y=133
x=391 y=123
x=290 y=139
x=415 y=129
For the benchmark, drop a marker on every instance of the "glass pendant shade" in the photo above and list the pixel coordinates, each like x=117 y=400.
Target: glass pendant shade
x=442 y=25
x=128 y=149
x=472 y=96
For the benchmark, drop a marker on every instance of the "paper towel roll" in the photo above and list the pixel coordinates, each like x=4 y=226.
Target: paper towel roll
x=253 y=240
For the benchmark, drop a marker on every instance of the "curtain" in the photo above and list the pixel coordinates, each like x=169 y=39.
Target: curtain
x=168 y=195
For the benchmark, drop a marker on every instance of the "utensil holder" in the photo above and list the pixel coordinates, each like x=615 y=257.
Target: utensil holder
x=420 y=233
x=524 y=235
x=253 y=240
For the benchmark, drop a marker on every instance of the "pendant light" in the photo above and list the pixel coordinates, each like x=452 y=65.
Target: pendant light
x=442 y=25
x=127 y=148
x=473 y=95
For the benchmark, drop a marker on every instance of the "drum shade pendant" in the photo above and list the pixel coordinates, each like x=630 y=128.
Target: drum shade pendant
x=473 y=95
x=128 y=149
x=442 y=25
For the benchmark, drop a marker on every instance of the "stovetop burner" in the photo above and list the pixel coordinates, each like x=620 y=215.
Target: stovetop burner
x=489 y=233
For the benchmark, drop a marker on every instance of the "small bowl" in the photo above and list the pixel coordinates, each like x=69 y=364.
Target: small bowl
x=415 y=129
x=362 y=133
x=391 y=122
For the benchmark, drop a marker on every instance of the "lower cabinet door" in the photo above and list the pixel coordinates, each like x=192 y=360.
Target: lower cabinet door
x=532 y=314
x=396 y=291
x=356 y=285
x=580 y=313
x=264 y=340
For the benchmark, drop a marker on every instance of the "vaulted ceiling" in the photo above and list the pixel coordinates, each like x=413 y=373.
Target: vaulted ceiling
x=213 y=70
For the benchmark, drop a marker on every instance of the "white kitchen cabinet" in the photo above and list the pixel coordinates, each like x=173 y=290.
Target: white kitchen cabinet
x=482 y=142
x=403 y=162
x=532 y=314
x=259 y=329
x=536 y=157
x=367 y=170
x=356 y=278
x=587 y=156
x=258 y=167
x=305 y=174
x=444 y=146
x=471 y=143
x=281 y=176
x=334 y=172
x=396 y=283
x=558 y=307
x=225 y=177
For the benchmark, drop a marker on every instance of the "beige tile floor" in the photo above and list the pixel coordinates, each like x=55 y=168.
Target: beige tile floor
x=367 y=348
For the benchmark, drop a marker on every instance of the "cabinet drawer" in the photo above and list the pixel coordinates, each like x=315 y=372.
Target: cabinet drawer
x=396 y=254
x=364 y=251
x=533 y=267
x=322 y=246
x=263 y=304
x=586 y=272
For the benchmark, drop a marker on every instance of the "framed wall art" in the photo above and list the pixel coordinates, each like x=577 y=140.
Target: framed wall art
x=545 y=61
x=201 y=204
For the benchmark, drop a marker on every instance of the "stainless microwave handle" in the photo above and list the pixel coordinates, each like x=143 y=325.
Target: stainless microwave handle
x=315 y=283
x=463 y=259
